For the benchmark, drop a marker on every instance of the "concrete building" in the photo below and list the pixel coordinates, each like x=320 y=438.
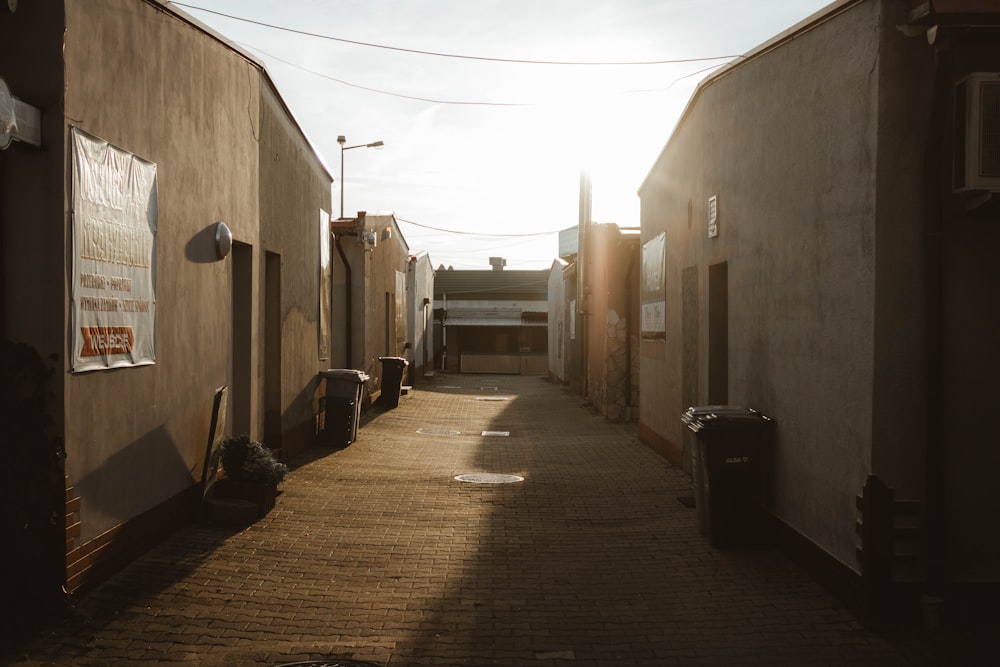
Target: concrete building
x=370 y=263
x=596 y=348
x=162 y=240
x=818 y=235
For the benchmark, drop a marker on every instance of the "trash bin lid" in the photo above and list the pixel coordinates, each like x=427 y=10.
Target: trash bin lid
x=397 y=360
x=702 y=417
x=348 y=374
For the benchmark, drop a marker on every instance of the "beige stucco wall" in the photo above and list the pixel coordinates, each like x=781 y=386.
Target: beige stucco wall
x=420 y=315
x=152 y=84
x=374 y=275
x=857 y=280
x=787 y=143
x=294 y=193
x=385 y=320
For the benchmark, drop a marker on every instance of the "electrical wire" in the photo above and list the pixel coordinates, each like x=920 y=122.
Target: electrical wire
x=383 y=92
x=519 y=61
x=455 y=102
x=463 y=233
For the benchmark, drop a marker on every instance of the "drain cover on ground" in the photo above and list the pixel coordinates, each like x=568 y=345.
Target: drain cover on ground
x=492 y=398
x=488 y=478
x=498 y=434
x=438 y=431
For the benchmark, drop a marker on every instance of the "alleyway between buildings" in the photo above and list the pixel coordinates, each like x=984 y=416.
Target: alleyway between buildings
x=376 y=554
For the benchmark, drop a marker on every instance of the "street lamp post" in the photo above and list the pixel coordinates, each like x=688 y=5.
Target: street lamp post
x=342 y=140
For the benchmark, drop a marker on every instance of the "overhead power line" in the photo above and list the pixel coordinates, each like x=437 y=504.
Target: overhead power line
x=433 y=100
x=519 y=61
x=455 y=231
x=380 y=91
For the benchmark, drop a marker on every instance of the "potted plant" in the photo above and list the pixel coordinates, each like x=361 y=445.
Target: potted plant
x=251 y=472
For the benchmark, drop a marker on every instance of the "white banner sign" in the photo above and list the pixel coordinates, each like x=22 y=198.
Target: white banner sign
x=113 y=302
x=653 y=288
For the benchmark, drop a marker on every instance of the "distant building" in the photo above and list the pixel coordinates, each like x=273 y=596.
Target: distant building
x=561 y=324
x=594 y=317
x=370 y=304
x=492 y=321
x=420 y=298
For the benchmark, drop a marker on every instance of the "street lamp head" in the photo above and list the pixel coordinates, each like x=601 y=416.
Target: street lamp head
x=341 y=139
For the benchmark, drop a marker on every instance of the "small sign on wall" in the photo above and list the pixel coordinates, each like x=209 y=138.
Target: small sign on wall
x=713 y=216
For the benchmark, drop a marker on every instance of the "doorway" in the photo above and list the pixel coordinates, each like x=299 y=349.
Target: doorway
x=242 y=338
x=272 y=350
x=718 y=334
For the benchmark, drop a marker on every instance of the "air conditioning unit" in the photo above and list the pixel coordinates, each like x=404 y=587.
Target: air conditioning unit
x=977 y=133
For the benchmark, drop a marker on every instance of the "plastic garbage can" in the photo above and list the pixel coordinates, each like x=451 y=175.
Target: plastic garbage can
x=732 y=446
x=393 y=369
x=342 y=406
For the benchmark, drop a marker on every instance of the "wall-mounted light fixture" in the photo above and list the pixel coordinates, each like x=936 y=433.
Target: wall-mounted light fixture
x=223 y=240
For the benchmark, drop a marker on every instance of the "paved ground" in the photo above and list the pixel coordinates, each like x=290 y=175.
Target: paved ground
x=376 y=554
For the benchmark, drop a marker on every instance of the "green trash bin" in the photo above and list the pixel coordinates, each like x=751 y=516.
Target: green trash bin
x=342 y=406
x=393 y=370
x=732 y=448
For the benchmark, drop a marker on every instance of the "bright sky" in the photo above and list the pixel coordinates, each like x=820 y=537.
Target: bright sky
x=492 y=148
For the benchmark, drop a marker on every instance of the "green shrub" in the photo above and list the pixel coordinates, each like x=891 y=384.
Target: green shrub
x=248 y=460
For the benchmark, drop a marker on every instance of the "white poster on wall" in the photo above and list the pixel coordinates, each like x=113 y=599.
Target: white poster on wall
x=113 y=298
x=325 y=273
x=654 y=288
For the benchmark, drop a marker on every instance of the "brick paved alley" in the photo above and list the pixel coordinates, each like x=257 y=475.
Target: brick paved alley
x=376 y=554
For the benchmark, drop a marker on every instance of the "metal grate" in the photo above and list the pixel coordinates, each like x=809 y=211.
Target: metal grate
x=330 y=663
x=488 y=478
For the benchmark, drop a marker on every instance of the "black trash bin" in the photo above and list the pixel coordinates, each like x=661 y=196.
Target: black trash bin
x=393 y=369
x=342 y=406
x=729 y=461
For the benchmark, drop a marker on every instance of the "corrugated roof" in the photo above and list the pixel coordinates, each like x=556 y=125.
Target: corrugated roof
x=533 y=285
